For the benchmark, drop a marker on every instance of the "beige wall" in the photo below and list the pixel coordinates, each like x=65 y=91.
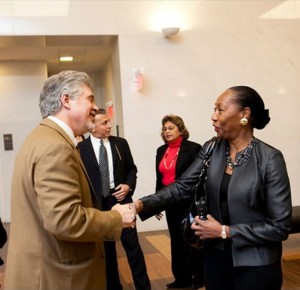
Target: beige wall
x=20 y=85
x=221 y=44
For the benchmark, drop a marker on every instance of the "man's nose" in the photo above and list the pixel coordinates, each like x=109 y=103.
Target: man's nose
x=95 y=107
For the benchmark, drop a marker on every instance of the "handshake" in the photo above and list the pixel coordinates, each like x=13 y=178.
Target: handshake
x=128 y=212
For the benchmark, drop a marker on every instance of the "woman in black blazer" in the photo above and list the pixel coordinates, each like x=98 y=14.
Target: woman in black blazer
x=249 y=198
x=172 y=159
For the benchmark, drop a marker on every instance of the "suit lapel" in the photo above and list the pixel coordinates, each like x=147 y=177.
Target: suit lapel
x=181 y=156
x=52 y=124
x=89 y=151
x=49 y=123
x=161 y=152
x=114 y=150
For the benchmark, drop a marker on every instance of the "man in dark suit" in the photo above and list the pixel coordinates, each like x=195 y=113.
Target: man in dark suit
x=122 y=179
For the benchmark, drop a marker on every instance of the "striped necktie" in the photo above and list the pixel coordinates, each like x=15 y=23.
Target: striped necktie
x=104 y=171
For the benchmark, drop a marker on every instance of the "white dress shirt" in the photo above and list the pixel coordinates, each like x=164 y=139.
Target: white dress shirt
x=66 y=128
x=96 y=146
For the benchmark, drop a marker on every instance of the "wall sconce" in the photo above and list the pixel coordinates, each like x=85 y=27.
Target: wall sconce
x=170 y=31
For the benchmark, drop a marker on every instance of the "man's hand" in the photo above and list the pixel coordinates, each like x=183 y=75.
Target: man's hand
x=121 y=191
x=128 y=214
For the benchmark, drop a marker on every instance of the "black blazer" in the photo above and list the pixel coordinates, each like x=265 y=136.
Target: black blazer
x=259 y=200
x=125 y=171
x=187 y=153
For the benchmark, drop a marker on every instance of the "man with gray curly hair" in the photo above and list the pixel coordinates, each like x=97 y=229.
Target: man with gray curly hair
x=57 y=230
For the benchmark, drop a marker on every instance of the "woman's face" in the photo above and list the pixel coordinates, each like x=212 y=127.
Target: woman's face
x=227 y=115
x=170 y=131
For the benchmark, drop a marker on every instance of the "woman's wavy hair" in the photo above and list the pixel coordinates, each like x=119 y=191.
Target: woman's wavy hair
x=176 y=120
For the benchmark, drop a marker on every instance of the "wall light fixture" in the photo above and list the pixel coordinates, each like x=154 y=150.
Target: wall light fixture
x=66 y=58
x=170 y=31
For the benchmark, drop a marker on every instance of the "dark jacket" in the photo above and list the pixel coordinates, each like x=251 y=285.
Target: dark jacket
x=259 y=201
x=188 y=151
x=125 y=171
x=3 y=235
x=3 y=238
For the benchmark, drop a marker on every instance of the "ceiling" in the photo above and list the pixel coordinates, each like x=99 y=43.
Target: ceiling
x=90 y=52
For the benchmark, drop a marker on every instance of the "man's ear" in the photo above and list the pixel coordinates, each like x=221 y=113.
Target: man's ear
x=65 y=101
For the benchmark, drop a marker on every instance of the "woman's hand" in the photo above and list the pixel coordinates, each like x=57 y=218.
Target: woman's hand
x=207 y=229
x=159 y=216
x=138 y=204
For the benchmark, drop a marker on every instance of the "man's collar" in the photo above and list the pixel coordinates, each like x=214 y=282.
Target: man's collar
x=66 y=128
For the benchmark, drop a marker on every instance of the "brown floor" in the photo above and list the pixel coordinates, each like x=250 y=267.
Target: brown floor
x=157 y=254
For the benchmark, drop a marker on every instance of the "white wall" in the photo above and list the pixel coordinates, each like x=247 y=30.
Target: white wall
x=20 y=86
x=221 y=44
x=228 y=45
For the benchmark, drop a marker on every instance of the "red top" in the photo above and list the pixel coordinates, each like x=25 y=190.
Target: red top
x=167 y=164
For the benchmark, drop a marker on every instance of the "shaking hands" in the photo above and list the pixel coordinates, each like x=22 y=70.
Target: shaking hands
x=128 y=214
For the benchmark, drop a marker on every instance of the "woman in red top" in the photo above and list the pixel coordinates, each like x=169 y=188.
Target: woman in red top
x=172 y=159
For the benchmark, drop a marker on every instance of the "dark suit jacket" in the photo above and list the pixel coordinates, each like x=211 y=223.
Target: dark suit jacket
x=125 y=171
x=259 y=200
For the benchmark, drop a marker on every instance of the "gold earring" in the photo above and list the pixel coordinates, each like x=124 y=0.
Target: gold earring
x=244 y=121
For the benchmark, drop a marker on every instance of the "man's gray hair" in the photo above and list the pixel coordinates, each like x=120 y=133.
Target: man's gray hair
x=64 y=83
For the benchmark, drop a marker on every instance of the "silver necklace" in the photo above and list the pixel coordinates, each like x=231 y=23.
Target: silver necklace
x=243 y=158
